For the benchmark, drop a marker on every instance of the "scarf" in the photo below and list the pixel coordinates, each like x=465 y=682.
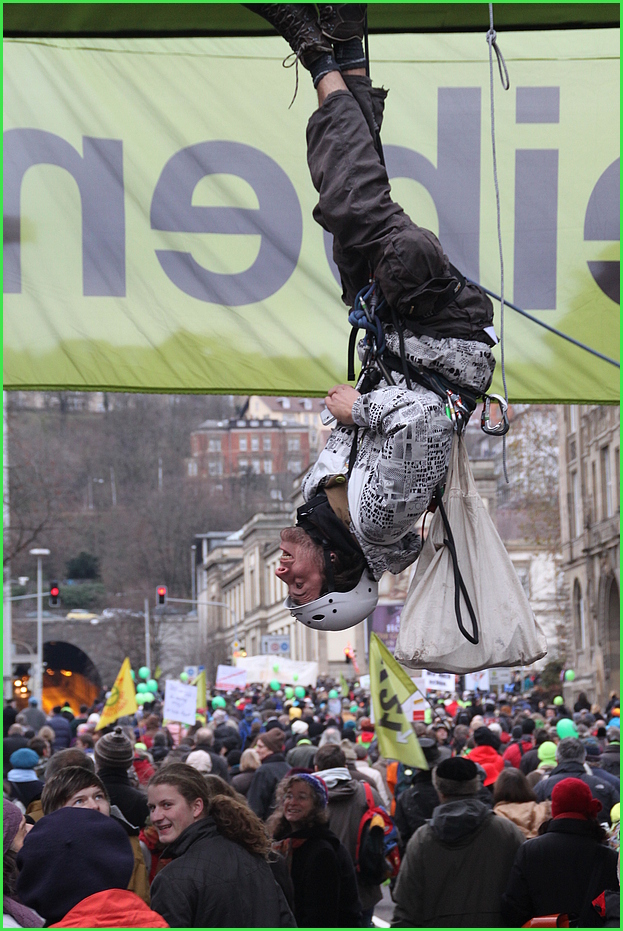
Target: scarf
x=286 y=848
x=335 y=775
x=25 y=916
x=22 y=775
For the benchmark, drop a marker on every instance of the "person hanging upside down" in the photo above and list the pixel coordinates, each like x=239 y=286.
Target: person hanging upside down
x=390 y=448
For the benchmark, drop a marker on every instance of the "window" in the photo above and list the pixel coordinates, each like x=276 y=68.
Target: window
x=256 y=466
x=214 y=444
x=242 y=444
x=294 y=465
x=573 y=418
x=294 y=444
x=575 y=507
x=255 y=443
x=215 y=468
x=192 y=468
x=594 y=490
x=606 y=483
x=578 y=616
x=243 y=464
x=268 y=467
x=266 y=443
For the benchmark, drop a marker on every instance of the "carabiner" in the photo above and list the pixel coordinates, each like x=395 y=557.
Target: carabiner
x=501 y=428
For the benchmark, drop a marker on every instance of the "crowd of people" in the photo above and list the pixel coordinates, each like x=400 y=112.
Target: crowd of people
x=263 y=814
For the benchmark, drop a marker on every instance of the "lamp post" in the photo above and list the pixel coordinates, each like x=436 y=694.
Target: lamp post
x=39 y=553
x=193 y=569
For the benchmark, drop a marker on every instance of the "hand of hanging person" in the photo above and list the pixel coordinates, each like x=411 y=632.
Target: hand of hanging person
x=340 y=400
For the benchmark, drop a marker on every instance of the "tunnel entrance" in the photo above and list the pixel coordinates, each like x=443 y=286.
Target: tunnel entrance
x=70 y=677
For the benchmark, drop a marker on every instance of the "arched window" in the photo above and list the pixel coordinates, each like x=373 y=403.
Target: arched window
x=578 y=616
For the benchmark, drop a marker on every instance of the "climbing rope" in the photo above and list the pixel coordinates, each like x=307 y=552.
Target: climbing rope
x=493 y=46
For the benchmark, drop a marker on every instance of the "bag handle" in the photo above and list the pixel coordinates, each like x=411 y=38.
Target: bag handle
x=459 y=584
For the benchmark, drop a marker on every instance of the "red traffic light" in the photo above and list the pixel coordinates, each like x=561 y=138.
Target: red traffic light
x=161 y=595
x=55 y=591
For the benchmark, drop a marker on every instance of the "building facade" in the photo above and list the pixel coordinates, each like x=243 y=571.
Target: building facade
x=590 y=528
x=225 y=448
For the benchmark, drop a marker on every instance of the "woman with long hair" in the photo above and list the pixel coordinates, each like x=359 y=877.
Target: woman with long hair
x=322 y=872
x=219 y=875
x=514 y=798
x=249 y=762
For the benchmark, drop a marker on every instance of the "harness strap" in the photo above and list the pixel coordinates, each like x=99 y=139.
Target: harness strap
x=459 y=584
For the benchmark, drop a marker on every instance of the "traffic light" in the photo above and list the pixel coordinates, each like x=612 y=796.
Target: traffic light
x=161 y=596
x=54 y=595
x=347 y=655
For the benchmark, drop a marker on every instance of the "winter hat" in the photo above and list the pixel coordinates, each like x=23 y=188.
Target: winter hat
x=348 y=749
x=11 y=820
x=200 y=760
x=613 y=735
x=93 y=719
x=114 y=750
x=547 y=753
x=571 y=798
x=349 y=726
x=483 y=737
x=69 y=855
x=24 y=758
x=456 y=777
x=528 y=726
x=295 y=713
x=300 y=727
x=32 y=701
x=430 y=749
x=273 y=739
x=233 y=757
x=517 y=732
x=318 y=785
x=476 y=721
x=593 y=751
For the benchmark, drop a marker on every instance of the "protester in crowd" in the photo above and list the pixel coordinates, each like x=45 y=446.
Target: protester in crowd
x=456 y=866
x=85 y=743
x=204 y=740
x=373 y=775
x=32 y=715
x=75 y=866
x=61 y=727
x=611 y=755
x=546 y=755
x=14 y=740
x=261 y=792
x=200 y=760
x=249 y=763
x=218 y=876
x=9 y=715
x=70 y=757
x=513 y=798
x=565 y=868
x=77 y=787
x=302 y=755
x=530 y=759
x=416 y=804
x=114 y=755
x=347 y=804
x=322 y=872
x=486 y=755
x=520 y=744
x=14 y=830
x=159 y=748
x=570 y=757
x=24 y=784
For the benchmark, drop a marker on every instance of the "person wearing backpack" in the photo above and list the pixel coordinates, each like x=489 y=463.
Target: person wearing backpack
x=348 y=805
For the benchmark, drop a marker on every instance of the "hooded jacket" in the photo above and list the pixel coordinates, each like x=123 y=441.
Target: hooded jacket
x=600 y=789
x=528 y=816
x=212 y=882
x=114 y=908
x=490 y=760
x=261 y=792
x=403 y=450
x=455 y=868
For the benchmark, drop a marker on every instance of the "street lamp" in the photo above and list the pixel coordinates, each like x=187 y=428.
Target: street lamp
x=193 y=579
x=38 y=690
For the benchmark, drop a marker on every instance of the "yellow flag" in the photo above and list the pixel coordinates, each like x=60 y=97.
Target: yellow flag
x=157 y=672
x=200 y=682
x=345 y=686
x=122 y=698
x=389 y=687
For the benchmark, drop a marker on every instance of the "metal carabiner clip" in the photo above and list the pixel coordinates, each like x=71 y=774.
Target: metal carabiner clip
x=498 y=429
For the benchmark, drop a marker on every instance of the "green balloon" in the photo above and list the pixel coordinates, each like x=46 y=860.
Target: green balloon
x=141 y=688
x=333 y=693
x=152 y=685
x=296 y=677
x=569 y=675
x=144 y=672
x=183 y=676
x=566 y=728
x=140 y=698
x=133 y=674
x=275 y=667
x=289 y=691
x=275 y=685
x=219 y=702
x=559 y=700
x=299 y=691
x=354 y=708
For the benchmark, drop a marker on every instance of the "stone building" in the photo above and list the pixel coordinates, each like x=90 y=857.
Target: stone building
x=590 y=528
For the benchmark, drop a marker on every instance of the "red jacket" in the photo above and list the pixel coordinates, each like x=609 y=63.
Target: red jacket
x=513 y=754
x=114 y=908
x=490 y=760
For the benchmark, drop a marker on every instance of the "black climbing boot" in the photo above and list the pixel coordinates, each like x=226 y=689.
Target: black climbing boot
x=342 y=21
x=298 y=25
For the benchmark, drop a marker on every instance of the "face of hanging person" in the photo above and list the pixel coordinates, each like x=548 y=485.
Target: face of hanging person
x=298 y=567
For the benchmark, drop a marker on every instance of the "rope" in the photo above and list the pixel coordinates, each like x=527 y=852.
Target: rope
x=546 y=326
x=491 y=37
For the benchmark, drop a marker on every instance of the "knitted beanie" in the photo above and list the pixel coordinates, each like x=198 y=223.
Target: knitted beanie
x=11 y=820
x=24 y=758
x=200 y=760
x=547 y=752
x=318 y=785
x=69 y=855
x=273 y=740
x=572 y=798
x=300 y=727
x=114 y=750
x=456 y=776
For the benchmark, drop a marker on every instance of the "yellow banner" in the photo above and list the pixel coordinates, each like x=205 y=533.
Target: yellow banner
x=158 y=228
x=389 y=687
x=200 y=682
x=122 y=699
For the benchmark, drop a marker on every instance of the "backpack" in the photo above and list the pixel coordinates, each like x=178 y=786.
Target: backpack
x=376 y=854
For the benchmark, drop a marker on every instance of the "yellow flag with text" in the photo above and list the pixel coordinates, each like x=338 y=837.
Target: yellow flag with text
x=345 y=686
x=389 y=686
x=122 y=698
x=200 y=682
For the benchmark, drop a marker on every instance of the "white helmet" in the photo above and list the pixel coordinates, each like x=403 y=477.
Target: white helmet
x=338 y=610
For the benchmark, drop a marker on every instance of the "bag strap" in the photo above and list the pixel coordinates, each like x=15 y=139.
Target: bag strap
x=459 y=584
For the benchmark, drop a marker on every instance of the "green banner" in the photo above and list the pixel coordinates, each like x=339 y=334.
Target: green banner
x=157 y=208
